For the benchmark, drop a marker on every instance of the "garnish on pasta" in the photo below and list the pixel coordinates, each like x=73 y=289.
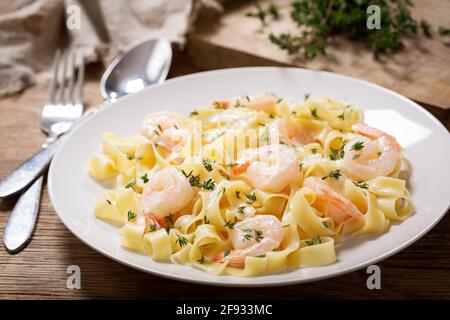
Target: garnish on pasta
x=251 y=185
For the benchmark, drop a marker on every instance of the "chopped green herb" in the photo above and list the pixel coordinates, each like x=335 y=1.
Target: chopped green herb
x=131 y=215
x=241 y=209
x=361 y=184
x=271 y=116
x=201 y=260
x=258 y=235
x=251 y=197
x=175 y=126
x=229 y=224
x=313 y=241
x=444 y=32
x=207 y=163
x=237 y=193
x=169 y=218
x=356 y=156
x=333 y=174
x=300 y=166
x=341 y=116
x=167 y=228
x=260 y=13
x=357 y=146
x=145 y=178
x=247 y=234
x=379 y=154
x=182 y=241
x=261 y=256
x=314 y=150
x=273 y=11
x=326 y=224
x=337 y=154
x=306 y=96
x=210 y=184
x=108 y=201
x=156 y=131
x=193 y=113
x=130 y=157
x=286 y=226
x=226 y=252
x=205 y=220
x=153 y=227
x=130 y=185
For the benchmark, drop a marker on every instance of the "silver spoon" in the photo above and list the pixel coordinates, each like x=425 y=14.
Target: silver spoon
x=141 y=65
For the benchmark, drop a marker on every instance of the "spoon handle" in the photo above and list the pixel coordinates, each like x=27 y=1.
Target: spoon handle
x=22 y=221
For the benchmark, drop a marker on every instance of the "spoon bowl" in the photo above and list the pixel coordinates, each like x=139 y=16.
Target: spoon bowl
x=142 y=64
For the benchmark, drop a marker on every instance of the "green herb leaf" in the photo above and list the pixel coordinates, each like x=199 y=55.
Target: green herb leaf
x=201 y=260
x=251 y=197
x=207 y=163
x=182 y=241
x=357 y=146
x=333 y=174
x=229 y=224
x=313 y=241
x=131 y=215
x=145 y=178
x=130 y=185
x=361 y=184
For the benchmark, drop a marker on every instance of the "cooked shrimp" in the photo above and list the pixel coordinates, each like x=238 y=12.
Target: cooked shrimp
x=289 y=133
x=372 y=153
x=252 y=237
x=167 y=192
x=270 y=167
x=166 y=130
x=339 y=208
x=264 y=102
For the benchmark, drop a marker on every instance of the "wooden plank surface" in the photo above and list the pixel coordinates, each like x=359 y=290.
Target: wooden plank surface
x=39 y=271
x=420 y=71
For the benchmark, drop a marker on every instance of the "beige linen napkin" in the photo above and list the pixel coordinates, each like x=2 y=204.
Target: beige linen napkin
x=31 y=30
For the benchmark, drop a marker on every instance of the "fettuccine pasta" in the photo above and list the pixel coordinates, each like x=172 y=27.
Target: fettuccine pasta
x=251 y=185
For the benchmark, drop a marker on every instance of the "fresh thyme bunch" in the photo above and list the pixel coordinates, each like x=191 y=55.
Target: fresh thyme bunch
x=319 y=20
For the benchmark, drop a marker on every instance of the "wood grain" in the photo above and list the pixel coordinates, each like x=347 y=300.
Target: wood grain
x=419 y=71
x=39 y=271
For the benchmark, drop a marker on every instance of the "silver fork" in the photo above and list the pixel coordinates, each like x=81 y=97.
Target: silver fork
x=58 y=116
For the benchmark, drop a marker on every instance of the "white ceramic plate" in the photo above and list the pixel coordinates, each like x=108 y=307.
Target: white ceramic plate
x=426 y=142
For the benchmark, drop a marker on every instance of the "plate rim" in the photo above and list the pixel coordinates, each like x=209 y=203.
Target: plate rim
x=269 y=283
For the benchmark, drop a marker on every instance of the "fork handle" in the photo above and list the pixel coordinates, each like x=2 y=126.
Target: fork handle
x=27 y=172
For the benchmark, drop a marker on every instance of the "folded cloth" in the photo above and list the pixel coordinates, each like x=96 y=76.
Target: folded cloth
x=31 y=30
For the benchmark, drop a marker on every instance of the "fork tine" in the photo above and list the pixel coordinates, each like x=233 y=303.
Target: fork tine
x=80 y=80
x=63 y=77
x=71 y=79
x=54 y=82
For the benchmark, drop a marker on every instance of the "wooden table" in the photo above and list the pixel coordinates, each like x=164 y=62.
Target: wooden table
x=39 y=271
